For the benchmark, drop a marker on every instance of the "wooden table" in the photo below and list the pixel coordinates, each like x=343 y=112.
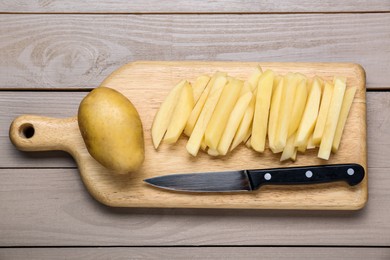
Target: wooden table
x=53 y=52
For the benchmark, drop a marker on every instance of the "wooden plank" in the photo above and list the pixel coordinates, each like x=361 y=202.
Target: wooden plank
x=378 y=125
x=65 y=104
x=52 y=104
x=32 y=198
x=79 y=51
x=193 y=6
x=196 y=253
x=50 y=207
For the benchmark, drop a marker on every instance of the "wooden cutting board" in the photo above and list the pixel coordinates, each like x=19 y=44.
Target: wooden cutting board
x=146 y=84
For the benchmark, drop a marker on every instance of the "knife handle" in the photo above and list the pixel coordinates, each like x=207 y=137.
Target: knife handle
x=353 y=174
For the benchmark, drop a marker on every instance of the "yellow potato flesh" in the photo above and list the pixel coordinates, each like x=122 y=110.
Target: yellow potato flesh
x=220 y=116
x=248 y=143
x=180 y=115
x=199 y=105
x=244 y=130
x=289 y=151
x=245 y=88
x=323 y=113
x=310 y=114
x=332 y=119
x=347 y=103
x=199 y=86
x=112 y=130
x=274 y=115
x=302 y=148
x=286 y=105
x=298 y=107
x=262 y=106
x=164 y=114
x=212 y=152
x=310 y=143
x=248 y=134
x=203 y=145
x=341 y=78
x=197 y=134
x=233 y=123
x=254 y=78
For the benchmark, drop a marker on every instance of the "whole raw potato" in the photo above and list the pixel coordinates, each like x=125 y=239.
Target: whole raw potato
x=112 y=130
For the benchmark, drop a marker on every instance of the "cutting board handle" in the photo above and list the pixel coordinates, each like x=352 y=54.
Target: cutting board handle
x=37 y=133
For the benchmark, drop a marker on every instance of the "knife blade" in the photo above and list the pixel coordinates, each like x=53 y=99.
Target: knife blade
x=250 y=180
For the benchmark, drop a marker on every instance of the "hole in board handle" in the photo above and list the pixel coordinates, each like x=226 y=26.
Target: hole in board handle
x=26 y=131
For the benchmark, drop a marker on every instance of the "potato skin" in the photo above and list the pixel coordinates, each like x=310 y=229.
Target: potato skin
x=112 y=130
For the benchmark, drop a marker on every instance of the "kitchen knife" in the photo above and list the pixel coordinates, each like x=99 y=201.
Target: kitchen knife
x=249 y=180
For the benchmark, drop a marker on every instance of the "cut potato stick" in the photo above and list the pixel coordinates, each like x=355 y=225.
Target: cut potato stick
x=289 y=151
x=180 y=115
x=294 y=156
x=332 y=119
x=220 y=116
x=254 y=78
x=341 y=78
x=164 y=114
x=298 y=106
x=244 y=129
x=248 y=134
x=197 y=134
x=260 y=119
x=199 y=86
x=302 y=148
x=274 y=114
x=310 y=143
x=203 y=145
x=199 y=105
x=310 y=114
x=323 y=113
x=289 y=88
x=245 y=88
x=212 y=152
x=309 y=84
x=277 y=80
x=346 y=106
x=248 y=143
x=233 y=123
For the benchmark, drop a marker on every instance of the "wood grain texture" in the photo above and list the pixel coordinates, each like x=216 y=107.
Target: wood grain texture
x=193 y=6
x=79 y=51
x=195 y=253
x=157 y=78
x=50 y=207
x=65 y=104
x=51 y=104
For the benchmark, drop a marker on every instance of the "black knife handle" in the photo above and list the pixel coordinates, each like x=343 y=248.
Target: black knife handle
x=353 y=174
